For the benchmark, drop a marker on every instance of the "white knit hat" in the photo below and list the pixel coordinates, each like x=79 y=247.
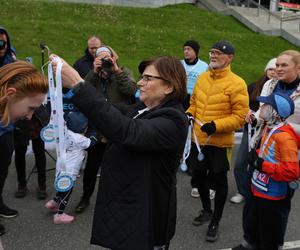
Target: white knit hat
x=271 y=64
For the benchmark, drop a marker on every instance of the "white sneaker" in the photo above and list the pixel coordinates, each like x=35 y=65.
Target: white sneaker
x=195 y=193
x=237 y=198
x=212 y=194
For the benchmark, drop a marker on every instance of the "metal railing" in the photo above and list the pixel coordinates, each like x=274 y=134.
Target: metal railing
x=279 y=15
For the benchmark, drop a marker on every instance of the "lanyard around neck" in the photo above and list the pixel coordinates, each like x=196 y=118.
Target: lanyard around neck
x=262 y=149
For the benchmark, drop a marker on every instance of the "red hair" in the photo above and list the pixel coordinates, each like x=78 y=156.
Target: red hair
x=27 y=81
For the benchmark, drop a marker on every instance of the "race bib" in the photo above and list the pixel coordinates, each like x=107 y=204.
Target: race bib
x=260 y=180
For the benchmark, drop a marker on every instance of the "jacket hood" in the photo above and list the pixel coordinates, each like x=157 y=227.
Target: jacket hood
x=293 y=129
x=9 y=48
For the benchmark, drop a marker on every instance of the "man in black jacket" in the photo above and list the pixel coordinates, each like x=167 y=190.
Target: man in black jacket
x=84 y=64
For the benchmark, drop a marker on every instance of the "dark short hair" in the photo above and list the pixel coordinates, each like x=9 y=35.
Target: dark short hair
x=170 y=69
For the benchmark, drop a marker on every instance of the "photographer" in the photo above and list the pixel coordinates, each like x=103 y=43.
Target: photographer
x=118 y=86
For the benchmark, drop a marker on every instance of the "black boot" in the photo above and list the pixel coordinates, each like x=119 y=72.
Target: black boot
x=82 y=205
x=7 y=212
x=41 y=193
x=21 y=192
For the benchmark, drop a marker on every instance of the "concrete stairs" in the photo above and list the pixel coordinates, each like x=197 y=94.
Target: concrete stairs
x=214 y=6
x=259 y=20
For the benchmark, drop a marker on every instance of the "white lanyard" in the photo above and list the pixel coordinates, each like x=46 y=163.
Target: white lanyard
x=195 y=137
x=262 y=149
x=187 y=148
x=249 y=136
x=140 y=112
x=57 y=114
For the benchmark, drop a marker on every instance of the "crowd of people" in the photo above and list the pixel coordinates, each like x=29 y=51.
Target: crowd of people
x=138 y=143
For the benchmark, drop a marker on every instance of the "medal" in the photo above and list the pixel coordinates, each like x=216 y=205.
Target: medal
x=200 y=156
x=183 y=167
x=47 y=133
x=63 y=182
x=293 y=185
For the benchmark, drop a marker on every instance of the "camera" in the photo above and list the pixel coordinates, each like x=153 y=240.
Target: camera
x=106 y=63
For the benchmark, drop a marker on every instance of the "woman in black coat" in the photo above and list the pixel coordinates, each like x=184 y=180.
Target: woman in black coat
x=136 y=202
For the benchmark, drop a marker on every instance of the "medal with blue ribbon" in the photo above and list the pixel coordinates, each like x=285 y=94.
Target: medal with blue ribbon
x=63 y=181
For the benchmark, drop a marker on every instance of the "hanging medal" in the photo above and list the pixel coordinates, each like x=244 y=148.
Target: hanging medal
x=200 y=156
x=63 y=181
x=187 y=148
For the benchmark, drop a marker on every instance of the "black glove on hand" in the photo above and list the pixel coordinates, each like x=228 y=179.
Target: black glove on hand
x=254 y=160
x=209 y=128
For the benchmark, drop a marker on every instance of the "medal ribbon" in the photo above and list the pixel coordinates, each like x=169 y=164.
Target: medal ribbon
x=262 y=149
x=187 y=147
x=57 y=114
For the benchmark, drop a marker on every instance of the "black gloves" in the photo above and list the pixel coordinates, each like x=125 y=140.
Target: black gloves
x=254 y=160
x=93 y=136
x=209 y=128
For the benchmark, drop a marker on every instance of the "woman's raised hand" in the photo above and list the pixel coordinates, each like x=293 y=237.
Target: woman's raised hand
x=69 y=75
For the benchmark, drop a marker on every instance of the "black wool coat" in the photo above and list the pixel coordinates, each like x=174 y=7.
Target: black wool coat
x=136 y=202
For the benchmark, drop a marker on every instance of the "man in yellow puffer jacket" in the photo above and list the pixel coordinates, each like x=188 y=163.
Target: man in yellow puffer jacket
x=219 y=104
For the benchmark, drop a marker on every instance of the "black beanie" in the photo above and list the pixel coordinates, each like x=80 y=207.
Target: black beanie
x=193 y=44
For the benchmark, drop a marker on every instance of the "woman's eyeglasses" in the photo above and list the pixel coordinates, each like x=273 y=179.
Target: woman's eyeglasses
x=149 y=78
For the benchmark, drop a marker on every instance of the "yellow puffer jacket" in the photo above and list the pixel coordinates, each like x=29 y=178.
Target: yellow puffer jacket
x=220 y=96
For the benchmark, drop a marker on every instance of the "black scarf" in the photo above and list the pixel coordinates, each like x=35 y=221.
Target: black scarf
x=191 y=63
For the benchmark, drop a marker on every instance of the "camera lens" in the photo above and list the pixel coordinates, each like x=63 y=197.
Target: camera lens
x=106 y=63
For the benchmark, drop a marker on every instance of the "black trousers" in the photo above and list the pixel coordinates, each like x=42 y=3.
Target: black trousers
x=38 y=148
x=270 y=220
x=6 y=151
x=248 y=209
x=211 y=172
x=93 y=163
x=62 y=199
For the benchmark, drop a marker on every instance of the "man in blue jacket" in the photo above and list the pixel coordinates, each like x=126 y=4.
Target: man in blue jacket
x=7 y=55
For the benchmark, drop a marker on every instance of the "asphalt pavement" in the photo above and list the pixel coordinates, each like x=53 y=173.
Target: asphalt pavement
x=33 y=228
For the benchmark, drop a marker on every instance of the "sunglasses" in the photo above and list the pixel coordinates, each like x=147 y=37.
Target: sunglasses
x=2 y=44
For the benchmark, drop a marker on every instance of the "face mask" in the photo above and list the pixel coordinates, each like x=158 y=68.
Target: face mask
x=2 y=44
